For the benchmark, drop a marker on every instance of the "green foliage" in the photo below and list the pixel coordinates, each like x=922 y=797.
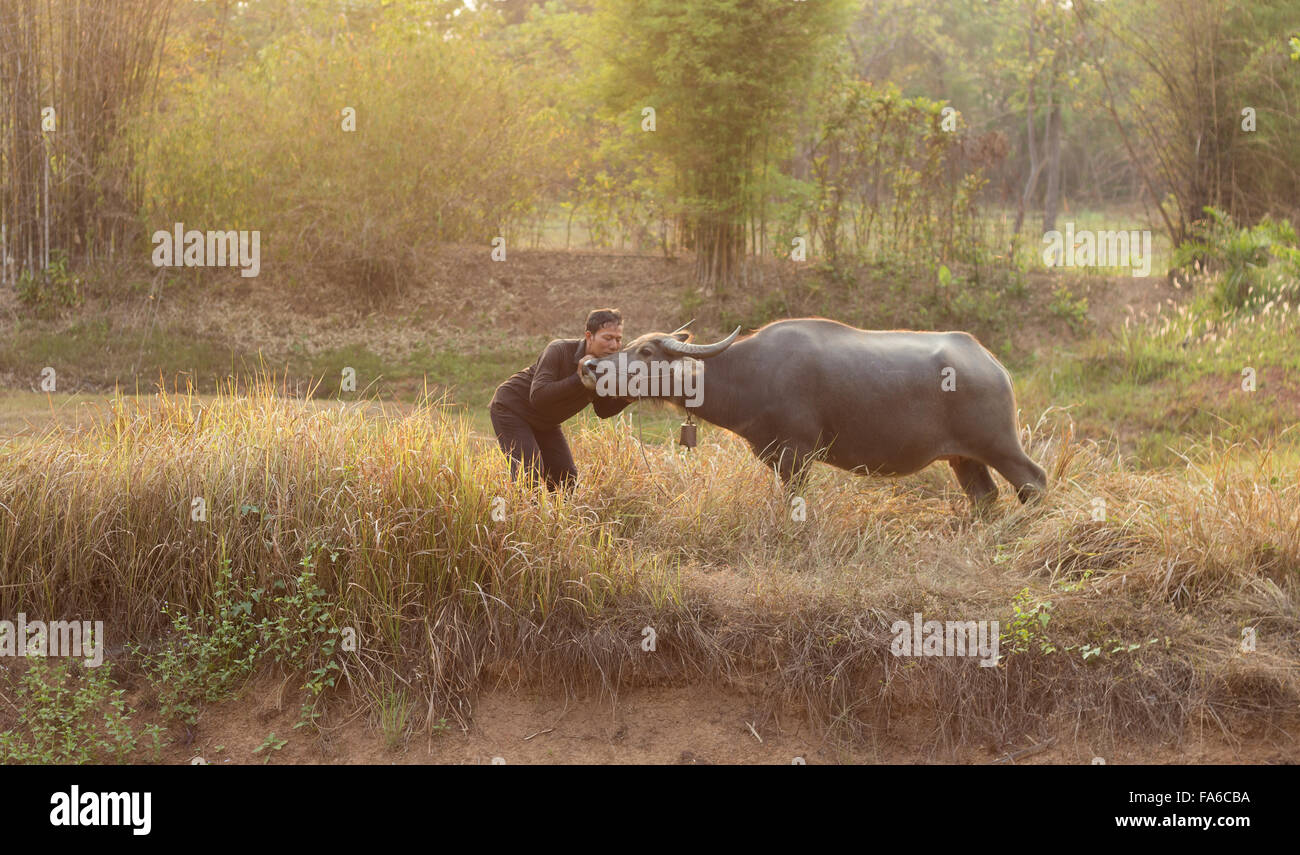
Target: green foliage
x=1110 y=647
x=977 y=296
x=209 y=656
x=1028 y=626
x=1072 y=309
x=786 y=212
x=727 y=81
x=270 y=745
x=70 y=713
x=394 y=714
x=1140 y=357
x=1241 y=259
x=891 y=181
x=47 y=294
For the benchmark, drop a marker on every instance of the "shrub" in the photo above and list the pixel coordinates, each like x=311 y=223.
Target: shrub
x=70 y=713
x=1238 y=258
x=47 y=295
x=434 y=156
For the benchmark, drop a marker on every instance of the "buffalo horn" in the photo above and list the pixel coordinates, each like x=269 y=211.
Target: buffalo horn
x=699 y=351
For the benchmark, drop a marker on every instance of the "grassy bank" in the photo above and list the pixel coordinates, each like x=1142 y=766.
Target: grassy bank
x=388 y=563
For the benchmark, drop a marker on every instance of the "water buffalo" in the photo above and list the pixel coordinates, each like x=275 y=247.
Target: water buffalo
x=878 y=402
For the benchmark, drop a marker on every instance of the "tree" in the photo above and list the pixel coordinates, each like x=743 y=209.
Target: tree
x=1178 y=80
x=71 y=75
x=726 y=80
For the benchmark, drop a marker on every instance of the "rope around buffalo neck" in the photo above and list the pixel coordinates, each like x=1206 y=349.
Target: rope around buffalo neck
x=646 y=459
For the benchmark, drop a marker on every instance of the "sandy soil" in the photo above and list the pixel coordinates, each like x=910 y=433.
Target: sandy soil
x=685 y=726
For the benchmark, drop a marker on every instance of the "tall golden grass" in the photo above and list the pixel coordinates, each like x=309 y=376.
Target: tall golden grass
x=455 y=580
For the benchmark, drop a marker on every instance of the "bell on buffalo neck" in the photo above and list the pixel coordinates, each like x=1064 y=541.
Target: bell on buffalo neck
x=688 y=435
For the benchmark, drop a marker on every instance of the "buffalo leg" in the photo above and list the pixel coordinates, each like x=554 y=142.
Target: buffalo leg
x=975 y=480
x=793 y=469
x=789 y=463
x=1025 y=475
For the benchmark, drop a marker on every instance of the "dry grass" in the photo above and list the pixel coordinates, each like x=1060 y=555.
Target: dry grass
x=1144 y=608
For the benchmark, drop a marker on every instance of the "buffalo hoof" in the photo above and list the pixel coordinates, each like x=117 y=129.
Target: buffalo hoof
x=1030 y=494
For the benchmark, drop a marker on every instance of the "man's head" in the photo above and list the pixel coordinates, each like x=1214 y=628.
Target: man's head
x=604 y=332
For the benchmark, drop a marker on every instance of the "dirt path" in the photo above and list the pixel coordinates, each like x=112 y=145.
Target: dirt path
x=683 y=725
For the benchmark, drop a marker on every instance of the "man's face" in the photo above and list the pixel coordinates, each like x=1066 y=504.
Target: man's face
x=605 y=341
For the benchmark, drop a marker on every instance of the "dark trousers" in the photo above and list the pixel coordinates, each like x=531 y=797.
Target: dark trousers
x=542 y=453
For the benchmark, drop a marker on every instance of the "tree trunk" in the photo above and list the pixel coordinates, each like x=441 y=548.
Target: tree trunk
x=1052 y=200
x=1030 y=109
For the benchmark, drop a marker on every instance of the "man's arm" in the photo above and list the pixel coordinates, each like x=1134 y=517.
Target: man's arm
x=609 y=407
x=605 y=407
x=556 y=385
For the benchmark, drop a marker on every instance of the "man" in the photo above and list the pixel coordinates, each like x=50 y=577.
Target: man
x=528 y=408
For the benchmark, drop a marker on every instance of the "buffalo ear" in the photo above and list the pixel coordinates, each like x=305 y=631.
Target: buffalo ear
x=683 y=336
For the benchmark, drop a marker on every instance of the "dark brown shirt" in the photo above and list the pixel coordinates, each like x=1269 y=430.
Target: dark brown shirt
x=550 y=391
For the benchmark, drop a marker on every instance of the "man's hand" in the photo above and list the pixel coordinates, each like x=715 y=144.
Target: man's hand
x=587 y=371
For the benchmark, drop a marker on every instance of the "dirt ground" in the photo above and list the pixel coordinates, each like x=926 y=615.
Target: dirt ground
x=667 y=725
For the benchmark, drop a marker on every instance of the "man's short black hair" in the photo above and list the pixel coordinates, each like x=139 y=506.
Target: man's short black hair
x=601 y=318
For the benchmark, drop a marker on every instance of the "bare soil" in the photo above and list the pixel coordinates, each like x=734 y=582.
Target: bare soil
x=689 y=725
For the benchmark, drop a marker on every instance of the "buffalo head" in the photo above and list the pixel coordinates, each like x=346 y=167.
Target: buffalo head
x=655 y=365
